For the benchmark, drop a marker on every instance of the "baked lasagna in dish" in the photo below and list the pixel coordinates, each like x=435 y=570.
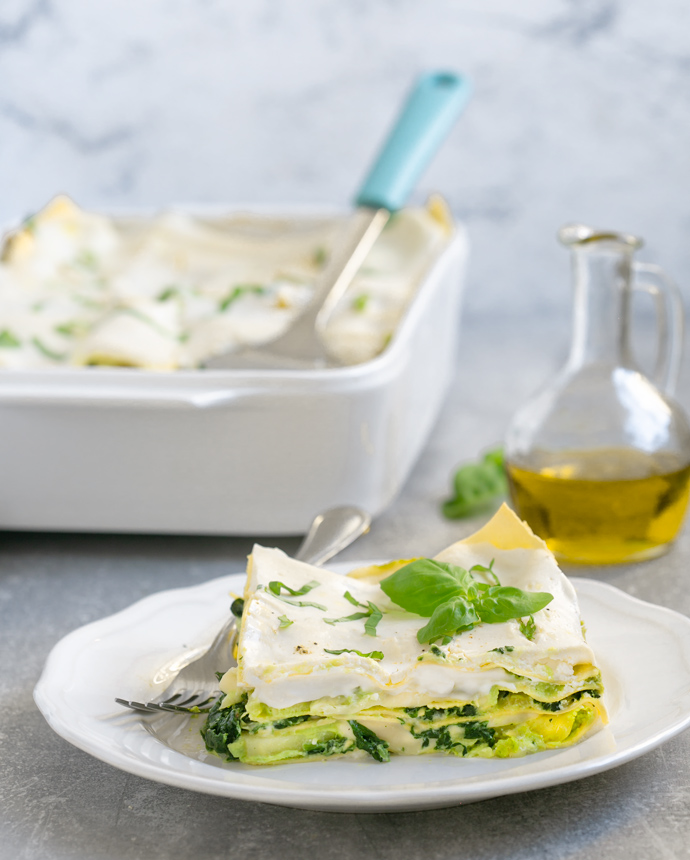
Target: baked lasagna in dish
x=168 y=291
x=478 y=652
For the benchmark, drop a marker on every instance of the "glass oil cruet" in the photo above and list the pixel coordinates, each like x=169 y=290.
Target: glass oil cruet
x=598 y=461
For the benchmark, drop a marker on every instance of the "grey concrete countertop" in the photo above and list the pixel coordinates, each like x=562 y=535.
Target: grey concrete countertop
x=58 y=802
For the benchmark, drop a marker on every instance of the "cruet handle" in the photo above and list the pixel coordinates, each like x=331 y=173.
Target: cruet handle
x=670 y=316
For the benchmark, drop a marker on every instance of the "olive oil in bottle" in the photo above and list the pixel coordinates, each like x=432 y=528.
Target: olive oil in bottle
x=598 y=460
x=603 y=506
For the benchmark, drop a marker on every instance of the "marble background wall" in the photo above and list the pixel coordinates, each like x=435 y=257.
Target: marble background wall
x=581 y=112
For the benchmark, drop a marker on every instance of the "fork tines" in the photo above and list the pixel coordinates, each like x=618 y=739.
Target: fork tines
x=193 y=704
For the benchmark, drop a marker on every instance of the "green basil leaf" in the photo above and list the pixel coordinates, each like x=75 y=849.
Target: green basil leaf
x=451 y=617
x=353 y=600
x=9 y=340
x=375 y=615
x=284 y=622
x=495 y=457
x=72 y=328
x=354 y=617
x=501 y=603
x=239 y=291
x=276 y=587
x=168 y=293
x=454 y=600
x=487 y=571
x=477 y=486
x=528 y=628
x=375 y=655
x=360 y=302
x=424 y=584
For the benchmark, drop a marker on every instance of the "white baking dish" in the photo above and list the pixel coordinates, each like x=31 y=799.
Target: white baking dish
x=227 y=452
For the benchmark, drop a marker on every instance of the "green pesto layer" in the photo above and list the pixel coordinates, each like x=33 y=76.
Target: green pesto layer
x=505 y=724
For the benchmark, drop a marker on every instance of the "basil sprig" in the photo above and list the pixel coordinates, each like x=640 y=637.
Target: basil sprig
x=476 y=486
x=455 y=600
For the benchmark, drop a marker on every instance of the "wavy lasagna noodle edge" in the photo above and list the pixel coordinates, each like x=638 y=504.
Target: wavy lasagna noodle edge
x=489 y=693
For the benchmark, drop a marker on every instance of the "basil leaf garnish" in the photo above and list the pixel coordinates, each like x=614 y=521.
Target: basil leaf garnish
x=168 y=293
x=9 y=340
x=375 y=615
x=450 y=617
x=375 y=655
x=454 y=600
x=239 y=291
x=487 y=571
x=477 y=486
x=528 y=628
x=354 y=617
x=360 y=302
x=424 y=584
x=276 y=587
x=352 y=600
x=501 y=603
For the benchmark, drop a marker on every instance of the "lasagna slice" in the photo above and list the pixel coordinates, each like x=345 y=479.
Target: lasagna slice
x=329 y=665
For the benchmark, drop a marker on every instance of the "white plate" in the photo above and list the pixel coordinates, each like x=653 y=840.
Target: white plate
x=642 y=649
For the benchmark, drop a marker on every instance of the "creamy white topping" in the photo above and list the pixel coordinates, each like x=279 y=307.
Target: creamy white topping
x=291 y=664
x=171 y=291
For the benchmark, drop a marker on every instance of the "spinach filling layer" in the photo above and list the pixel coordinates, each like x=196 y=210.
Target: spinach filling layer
x=513 y=725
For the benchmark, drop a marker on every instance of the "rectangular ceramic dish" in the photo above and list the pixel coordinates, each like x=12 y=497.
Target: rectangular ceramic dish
x=227 y=452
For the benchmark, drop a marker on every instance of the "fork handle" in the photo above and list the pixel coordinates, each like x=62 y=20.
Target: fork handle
x=331 y=532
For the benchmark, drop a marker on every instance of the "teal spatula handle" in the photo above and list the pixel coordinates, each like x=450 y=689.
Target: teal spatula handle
x=426 y=118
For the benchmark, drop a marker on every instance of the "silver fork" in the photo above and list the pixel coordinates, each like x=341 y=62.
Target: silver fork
x=194 y=688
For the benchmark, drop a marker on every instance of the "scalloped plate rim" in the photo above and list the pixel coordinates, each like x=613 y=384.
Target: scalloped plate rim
x=119 y=737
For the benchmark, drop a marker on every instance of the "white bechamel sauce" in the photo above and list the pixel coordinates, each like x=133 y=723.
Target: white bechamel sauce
x=291 y=665
x=160 y=293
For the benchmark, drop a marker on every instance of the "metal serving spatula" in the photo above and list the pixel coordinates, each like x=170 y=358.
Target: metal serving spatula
x=428 y=114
